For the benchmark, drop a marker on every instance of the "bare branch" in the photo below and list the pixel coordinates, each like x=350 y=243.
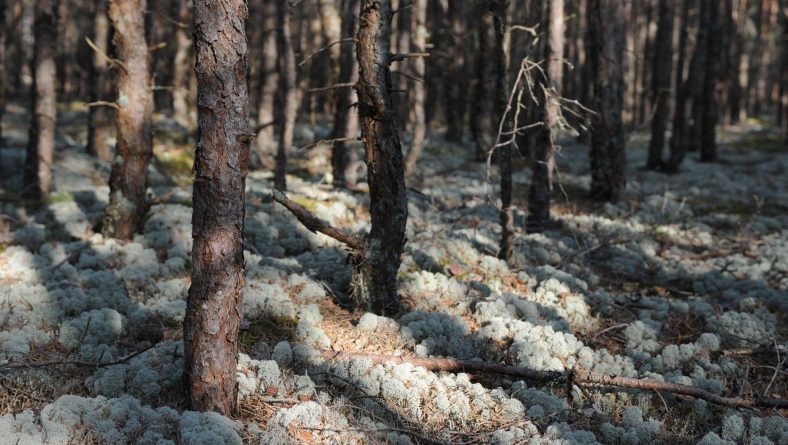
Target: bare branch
x=311 y=56
x=332 y=87
x=315 y=224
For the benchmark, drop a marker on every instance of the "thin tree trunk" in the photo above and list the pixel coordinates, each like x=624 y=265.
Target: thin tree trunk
x=330 y=32
x=99 y=116
x=419 y=33
x=547 y=95
x=498 y=11
x=679 y=135
x=403 y=39
x=385 y=165
x=346 y=118
x=708 y=144
x=782 y=115
x=737 y=56
x=457 y=72
x=182 y=69
x=3 y=68
x=268 y=86
x=128 y=182
x=287 y=89
x=660 y=87
x=41 y=142
x=213 y=312
x=480 y=122
x=605 y=44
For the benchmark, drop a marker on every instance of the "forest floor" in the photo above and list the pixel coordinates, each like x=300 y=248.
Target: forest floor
x=676 y=282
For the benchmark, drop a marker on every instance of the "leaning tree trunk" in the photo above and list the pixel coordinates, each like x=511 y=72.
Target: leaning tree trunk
x=605 y=45
x=419 y=33
x=128 y=182
x=268 y=86
x=345 y=119
x=99 y=116
x=385 y=165
x=680 y=129
x=213 y=312
x=498 y=11
x=41 y=143
x=549 y=109
x=287 y=90
x=708 y=118
x=660 y=83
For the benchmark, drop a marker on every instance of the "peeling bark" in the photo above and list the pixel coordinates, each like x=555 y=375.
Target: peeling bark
x=128 y=182
x=213 y=312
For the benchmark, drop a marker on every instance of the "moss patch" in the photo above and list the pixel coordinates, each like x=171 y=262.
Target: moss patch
x=270 y=330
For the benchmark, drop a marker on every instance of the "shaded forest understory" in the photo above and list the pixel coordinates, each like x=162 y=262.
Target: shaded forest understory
x=684 y=280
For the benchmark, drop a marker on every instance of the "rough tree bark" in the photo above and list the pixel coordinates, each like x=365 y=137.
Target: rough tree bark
x=708 y=118
x=181 y=69
x=128 y=182
x=41 y=142
x=549 y=107
x=268 y=87
x=213 y=312
x=385 y=165
x=288 y=106
x=678 y=137
x=99 y=116
x=419 y=97
x=661 y=66
x=605 y=46
x=345 y=117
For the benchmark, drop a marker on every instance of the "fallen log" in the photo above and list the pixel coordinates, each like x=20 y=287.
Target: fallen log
x=577 y=376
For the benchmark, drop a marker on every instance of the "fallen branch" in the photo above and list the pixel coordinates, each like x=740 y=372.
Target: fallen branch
x=315 y=224
x=577 y=376
x=76 y=362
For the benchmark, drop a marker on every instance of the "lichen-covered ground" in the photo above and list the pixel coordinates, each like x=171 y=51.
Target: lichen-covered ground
x=672 y=283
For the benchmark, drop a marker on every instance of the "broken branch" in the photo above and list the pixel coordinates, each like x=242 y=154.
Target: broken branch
x=315 y=224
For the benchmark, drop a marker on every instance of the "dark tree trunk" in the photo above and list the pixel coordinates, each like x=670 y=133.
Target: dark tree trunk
x=385 y=165
x=708 y=118
x=457 y=72
x=288 y=106
x=3 y=68
x=681 y=138
x=544 y=153
x=403 y=39
x=645 y=62
x=660 y=86
x=128 y=182
x=99 y=116
x=268 y=86
x=182 y=69
x=606 y=41
x=480 y=122
x=41 y=142
x=498 y=11
x=419 y=98
x=213 y=312
x=345 y=117
x=782 y=115
x=737 y=56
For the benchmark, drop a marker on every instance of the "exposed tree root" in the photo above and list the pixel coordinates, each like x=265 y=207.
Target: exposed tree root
x=577 y=376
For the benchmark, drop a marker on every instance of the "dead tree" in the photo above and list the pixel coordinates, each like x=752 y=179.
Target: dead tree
x=345 y=117
x=377 y=258
x=548 y=96
x=41 y=142
x=288 y=96
x=98 y=116
x=419 y=98
x=605 y=46
x=128 y=182
x=213 y=311
x=268 y=86
x=661 y=66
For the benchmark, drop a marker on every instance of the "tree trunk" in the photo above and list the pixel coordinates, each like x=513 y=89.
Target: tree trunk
x=3 y=68
x=288 y=106
x=182 y=68
x=128 y=182
x=403 y=38
x=346 y=117
x=99 y=116
x=548 y=97
x=782 y=116
x=679 y=135
x=268 y=86
x=213 y=312
x=385 y=165
x=708 y=144
x=480 y=122
x=419 y=33
x=498 y=11
x=41 y=142
x=660 y=86
x=737 y=57
x=605 y=44
x=457 y=72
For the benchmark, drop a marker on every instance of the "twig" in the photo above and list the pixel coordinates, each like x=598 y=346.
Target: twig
x=76 y=362
x=332 y=87
x=315 y=224
x=104 y=103
x=327 y=141
x=574 y=376
x=346 y=40
x=104 y=55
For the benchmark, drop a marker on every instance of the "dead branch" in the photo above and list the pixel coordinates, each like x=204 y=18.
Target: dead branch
x=315 y=224
x=577 y=376
x=332 y=87
x=104 y=103
x=104 y=55
x=330 y=45
x=76 y=362
x=328 y=141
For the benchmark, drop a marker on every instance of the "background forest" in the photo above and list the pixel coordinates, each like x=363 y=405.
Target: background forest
x=393 y=221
